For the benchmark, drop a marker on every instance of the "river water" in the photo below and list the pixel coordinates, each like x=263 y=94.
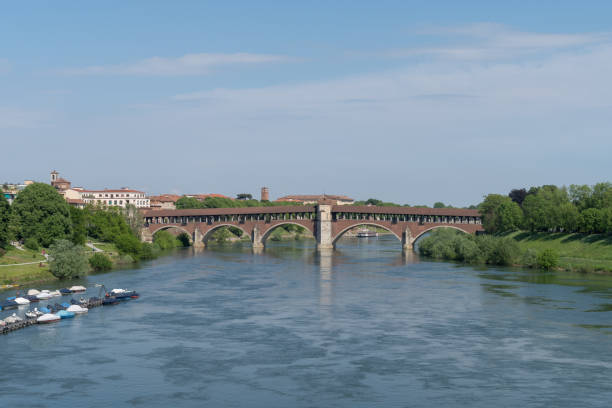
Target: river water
x=362 y=327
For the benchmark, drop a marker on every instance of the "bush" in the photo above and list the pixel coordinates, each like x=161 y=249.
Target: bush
x=530 y=258
x=67 y=260
x=100 y=262
x=505 y=252
x=548 y=259
x=31 y=243
x=149 y=251
x=129 y=244
x=185 y=240
x=2 y=252
x=165 y=240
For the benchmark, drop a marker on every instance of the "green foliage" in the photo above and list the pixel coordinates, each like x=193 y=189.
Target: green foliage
x=449 y=244
x=100 y=262
x=530 y=258
x=31 y=243
x=223 y=202
x=78 y=218
x=500 y=214
x=165 y=240
x=221 y=235
x=439 y=204
x=149 y=251
x=128 y=244
x=184 y=239
x=67 y=260
x=548 y=259
x=41 y=213
x=5 y=214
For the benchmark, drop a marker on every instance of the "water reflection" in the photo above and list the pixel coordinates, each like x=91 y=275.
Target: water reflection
x=325 y=277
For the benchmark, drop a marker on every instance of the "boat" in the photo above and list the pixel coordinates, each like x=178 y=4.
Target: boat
x=45 y=310
x=77 y=289
x=44 y=295
x=77 y=309
x=48 y=318
x=30 y=314
x=2 y=323
x=123 y=294
x=33 y=292
x=65 y=291
x=55 y=293
x=22 y=301
x=13 y=319
x=366 y=233
x=32 y=298
x=8 y=304
x=57 y=307
x=109 y=300
x=64 y=314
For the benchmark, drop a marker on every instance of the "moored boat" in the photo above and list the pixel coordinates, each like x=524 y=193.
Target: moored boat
x=48 y=318
x=77 y=309
x=22 y=301
x=8 y=304
x=64 y=314
x=77 y=289
x=33 y=292
x=65 y=291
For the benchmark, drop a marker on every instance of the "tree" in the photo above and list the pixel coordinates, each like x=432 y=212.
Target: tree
x=500 y=214
x=78 y=218
x=41 y=213
x=185 y=203
x=542 y=208
x=244 y=196
x=5 y=213
x=518 y=195
x=67 y=260
x=100 y=262
x=439 y=204
x=133 y=218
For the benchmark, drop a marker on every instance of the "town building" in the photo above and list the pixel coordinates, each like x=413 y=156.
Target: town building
x=10 y=190
x=80 y=197
x=265 y=194
x=164 y=201
x=115 y=198
x=313 y=199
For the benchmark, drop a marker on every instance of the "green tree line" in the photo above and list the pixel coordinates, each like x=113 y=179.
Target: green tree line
x=548 y=208
x=40 y=217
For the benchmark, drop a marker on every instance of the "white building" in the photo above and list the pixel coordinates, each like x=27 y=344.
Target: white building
x=115 y=198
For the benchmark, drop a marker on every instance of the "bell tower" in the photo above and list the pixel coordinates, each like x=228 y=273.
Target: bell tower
x=54 y=176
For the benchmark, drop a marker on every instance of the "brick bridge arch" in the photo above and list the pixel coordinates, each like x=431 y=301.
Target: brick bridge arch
x=344 y=228
x=327 y=223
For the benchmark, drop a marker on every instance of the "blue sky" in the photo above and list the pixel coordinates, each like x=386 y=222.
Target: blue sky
x=407 y=101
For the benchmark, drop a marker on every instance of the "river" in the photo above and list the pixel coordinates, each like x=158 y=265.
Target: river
x=363 y=327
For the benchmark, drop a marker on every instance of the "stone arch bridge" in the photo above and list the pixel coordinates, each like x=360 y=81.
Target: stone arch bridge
x=326 y=222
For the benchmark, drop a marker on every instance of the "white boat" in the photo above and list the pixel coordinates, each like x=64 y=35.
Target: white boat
x=30 y=314
x=48 y=318
x=44 y=296
x=78 y=288
x=77 y=309
x=22 y=301
x=13 y=319
x=55 y=293
x=2 y=323
x=33 y=292
x=118 y=291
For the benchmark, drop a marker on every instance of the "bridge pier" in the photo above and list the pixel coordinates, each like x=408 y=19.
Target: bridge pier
x=198 y=239
x=323 y=227
x=407 y=240
x=256 y=239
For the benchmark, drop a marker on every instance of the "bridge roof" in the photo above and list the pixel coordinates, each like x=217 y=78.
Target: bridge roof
x=279 y=209
x=463 y=212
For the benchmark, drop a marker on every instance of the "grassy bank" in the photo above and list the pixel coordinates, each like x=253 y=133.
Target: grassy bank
x=32 y=271
x=34 y=268
x=577 y=252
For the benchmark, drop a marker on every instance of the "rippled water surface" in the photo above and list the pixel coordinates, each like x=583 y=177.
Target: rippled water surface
x=362 y=327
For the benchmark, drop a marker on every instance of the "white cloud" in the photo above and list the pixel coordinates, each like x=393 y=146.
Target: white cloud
x=487 y=41
x=189 y=64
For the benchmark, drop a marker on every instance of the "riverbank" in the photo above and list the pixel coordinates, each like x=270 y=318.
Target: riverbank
x=577 y=252
x=570 y=252
x=25 y=267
